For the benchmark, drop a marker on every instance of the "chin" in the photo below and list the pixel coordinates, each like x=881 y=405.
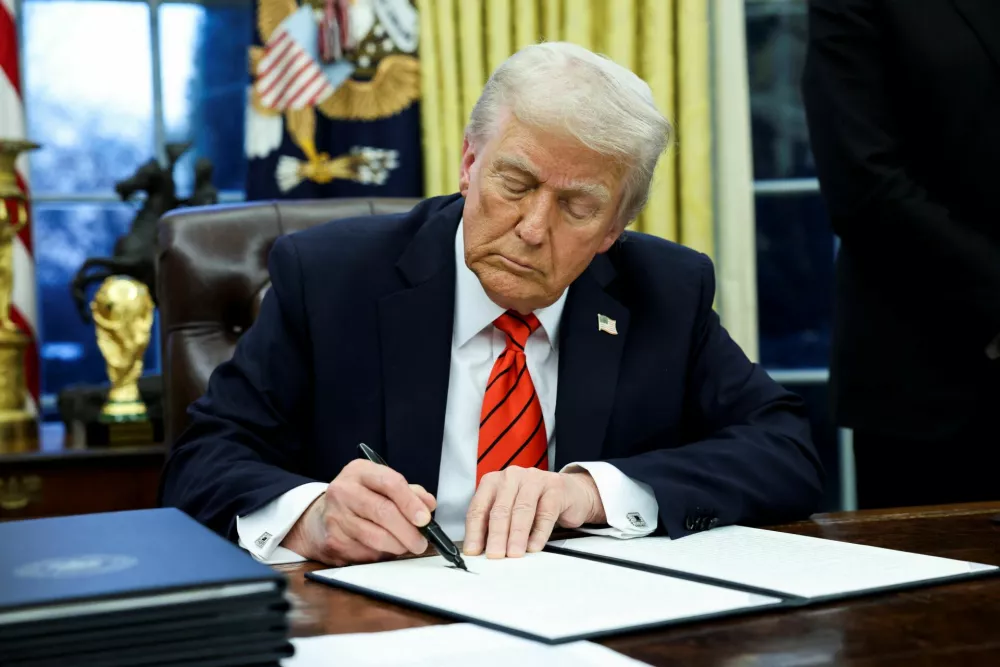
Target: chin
x=510 y=291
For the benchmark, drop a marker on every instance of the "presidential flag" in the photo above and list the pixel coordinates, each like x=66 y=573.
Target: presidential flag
x=333 y=105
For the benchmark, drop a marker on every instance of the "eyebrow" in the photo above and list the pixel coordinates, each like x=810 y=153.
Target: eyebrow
x=516 y=163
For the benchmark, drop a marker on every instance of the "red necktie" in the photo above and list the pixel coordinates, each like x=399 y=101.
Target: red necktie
x=511 y=427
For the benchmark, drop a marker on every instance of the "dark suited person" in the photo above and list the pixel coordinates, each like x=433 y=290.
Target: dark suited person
x=460 y=339
x=903 y=103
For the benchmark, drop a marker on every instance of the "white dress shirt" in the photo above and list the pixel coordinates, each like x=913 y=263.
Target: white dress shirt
x=476 y=344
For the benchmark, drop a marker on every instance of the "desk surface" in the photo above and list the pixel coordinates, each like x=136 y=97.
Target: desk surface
x=949 y=624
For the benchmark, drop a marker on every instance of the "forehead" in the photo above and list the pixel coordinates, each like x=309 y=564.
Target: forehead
x=553 y=157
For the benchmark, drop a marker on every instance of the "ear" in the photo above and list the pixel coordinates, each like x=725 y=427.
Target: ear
x=468 y=159
x=613 y=235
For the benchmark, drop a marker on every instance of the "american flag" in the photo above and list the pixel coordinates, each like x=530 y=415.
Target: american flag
x=288 y=77
x=24 y=307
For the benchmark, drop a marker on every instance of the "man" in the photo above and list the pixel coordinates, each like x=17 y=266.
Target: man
x=903 y=103
x=463 y=339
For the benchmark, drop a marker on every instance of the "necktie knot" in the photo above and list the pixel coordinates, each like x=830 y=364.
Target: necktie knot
x=517 y=327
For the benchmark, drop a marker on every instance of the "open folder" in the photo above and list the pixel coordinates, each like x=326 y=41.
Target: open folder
x=590 y=587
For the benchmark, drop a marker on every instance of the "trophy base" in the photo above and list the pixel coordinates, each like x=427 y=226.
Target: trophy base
x=18 y=432
x=116 y=412
x=123 y=433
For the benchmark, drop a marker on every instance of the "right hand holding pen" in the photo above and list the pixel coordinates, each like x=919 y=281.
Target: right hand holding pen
x=368 y=513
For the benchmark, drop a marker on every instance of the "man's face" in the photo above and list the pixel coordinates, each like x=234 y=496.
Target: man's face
x=538 y=207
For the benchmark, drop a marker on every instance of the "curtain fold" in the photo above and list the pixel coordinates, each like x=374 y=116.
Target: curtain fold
x=736 y=264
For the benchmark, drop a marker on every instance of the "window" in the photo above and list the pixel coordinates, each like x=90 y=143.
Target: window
x=106 y=85
x=795 y=244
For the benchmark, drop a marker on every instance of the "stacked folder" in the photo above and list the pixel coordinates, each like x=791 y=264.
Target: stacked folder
x=152 y=588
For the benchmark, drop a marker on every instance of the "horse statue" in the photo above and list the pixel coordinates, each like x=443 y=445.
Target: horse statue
x=135 y=252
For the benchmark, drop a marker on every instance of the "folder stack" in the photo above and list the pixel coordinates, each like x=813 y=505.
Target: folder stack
x=151 y=588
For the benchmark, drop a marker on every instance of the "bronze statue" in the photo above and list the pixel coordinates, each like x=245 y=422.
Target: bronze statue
x=135 y=252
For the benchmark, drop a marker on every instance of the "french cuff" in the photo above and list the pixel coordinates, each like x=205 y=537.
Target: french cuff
x=993 y=349
x=261 y=532
x=630 y=506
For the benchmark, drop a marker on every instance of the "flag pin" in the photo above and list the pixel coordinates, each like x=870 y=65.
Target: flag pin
x=607 y=325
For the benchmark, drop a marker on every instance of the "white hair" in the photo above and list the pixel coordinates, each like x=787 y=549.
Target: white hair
x=607 y=107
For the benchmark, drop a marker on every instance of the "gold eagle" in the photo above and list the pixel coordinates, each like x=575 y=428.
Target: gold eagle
x=394 y=86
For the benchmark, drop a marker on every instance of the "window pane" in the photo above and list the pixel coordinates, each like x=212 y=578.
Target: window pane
x=204 y=56
x=795 y=253
x=776 y=45
x=88 y=92
x=65 y=236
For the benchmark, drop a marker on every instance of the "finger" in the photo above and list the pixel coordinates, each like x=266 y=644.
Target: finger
x=425 y=497
x=478 y=515
x=384 y=513
x=546 y=515
x=523 y=515
x=373 y=536
x=341 y=549
x=500 y=514
x=389 y=483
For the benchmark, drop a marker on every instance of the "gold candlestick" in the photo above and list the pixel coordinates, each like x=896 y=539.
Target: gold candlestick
x=123 y=314
x=18 y=426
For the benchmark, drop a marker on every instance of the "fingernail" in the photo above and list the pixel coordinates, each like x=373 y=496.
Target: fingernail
x=423 y=547
x=470 y=548
x=423 y=518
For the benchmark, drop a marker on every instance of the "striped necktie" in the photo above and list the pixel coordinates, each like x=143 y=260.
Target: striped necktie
x=511 y=427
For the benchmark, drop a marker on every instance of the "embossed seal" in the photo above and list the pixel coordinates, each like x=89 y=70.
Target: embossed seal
x=84 y=565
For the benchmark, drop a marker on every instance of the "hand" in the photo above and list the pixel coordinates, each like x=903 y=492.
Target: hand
x=368 y=513
x=516 y=509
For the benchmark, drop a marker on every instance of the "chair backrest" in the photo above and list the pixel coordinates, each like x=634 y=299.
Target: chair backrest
x=212 y=276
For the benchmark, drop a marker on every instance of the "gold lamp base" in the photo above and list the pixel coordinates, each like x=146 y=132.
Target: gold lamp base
x=18 y=432
x=18 y=427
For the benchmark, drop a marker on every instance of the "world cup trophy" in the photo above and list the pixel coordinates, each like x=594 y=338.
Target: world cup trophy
x=18 y=425
x=123 y=315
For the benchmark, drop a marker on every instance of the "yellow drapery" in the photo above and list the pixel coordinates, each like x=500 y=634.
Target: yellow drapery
x=664 y=41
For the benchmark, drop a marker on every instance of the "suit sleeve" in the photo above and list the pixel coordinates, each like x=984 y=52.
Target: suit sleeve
x=748 y=457
x=244 y=445
x=877 y=206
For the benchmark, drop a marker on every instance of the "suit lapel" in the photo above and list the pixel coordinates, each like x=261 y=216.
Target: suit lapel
x=415 y=329
x=588 y=365
x=983 y=16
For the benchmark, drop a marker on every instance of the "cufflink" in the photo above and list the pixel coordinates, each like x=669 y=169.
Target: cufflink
x=636 y=519
x=262 y=540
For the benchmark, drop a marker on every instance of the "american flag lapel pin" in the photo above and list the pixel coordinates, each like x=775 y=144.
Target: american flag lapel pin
x=607 y=325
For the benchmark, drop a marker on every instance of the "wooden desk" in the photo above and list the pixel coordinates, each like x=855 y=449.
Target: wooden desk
x=953 y=624
x=62 y=479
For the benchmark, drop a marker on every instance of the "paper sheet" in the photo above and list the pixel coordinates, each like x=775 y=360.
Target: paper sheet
x=455 y=644
x=792 y=564
x=545 y=595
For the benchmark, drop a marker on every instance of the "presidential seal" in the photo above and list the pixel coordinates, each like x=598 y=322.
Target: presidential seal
x=71 y=567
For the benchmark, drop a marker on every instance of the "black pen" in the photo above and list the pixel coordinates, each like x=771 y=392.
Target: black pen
x=431 y=531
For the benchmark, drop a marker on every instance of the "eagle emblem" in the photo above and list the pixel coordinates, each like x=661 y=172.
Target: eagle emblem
x=345 y=59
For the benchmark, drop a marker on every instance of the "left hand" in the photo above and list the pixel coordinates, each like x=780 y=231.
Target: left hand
x=514 y=510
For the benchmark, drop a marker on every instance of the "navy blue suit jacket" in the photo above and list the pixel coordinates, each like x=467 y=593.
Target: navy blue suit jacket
x=353 y=344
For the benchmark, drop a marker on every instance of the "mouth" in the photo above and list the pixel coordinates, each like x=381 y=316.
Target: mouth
x=515 y=265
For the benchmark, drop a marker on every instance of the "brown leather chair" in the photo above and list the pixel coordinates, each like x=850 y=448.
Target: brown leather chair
x=212 y=276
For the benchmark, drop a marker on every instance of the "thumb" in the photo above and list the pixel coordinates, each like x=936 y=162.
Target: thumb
x=425 y=497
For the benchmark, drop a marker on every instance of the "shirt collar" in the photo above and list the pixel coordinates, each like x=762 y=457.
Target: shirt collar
x=474 y=310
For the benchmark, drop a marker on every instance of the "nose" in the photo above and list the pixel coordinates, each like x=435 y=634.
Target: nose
x=534 y=222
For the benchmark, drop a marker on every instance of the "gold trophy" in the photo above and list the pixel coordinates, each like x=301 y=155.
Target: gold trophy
x=123 y=314
x=18 y=426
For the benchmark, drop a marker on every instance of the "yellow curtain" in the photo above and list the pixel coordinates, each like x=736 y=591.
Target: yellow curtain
x=664 y=41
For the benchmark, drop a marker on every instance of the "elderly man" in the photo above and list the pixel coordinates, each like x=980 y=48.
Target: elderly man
x=460 y=339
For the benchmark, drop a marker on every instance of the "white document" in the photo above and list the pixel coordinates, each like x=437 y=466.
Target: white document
x=808 y=567
x=546 y=596
x=455 y=644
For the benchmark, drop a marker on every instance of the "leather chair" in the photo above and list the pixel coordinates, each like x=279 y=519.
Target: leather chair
x=212 y=276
